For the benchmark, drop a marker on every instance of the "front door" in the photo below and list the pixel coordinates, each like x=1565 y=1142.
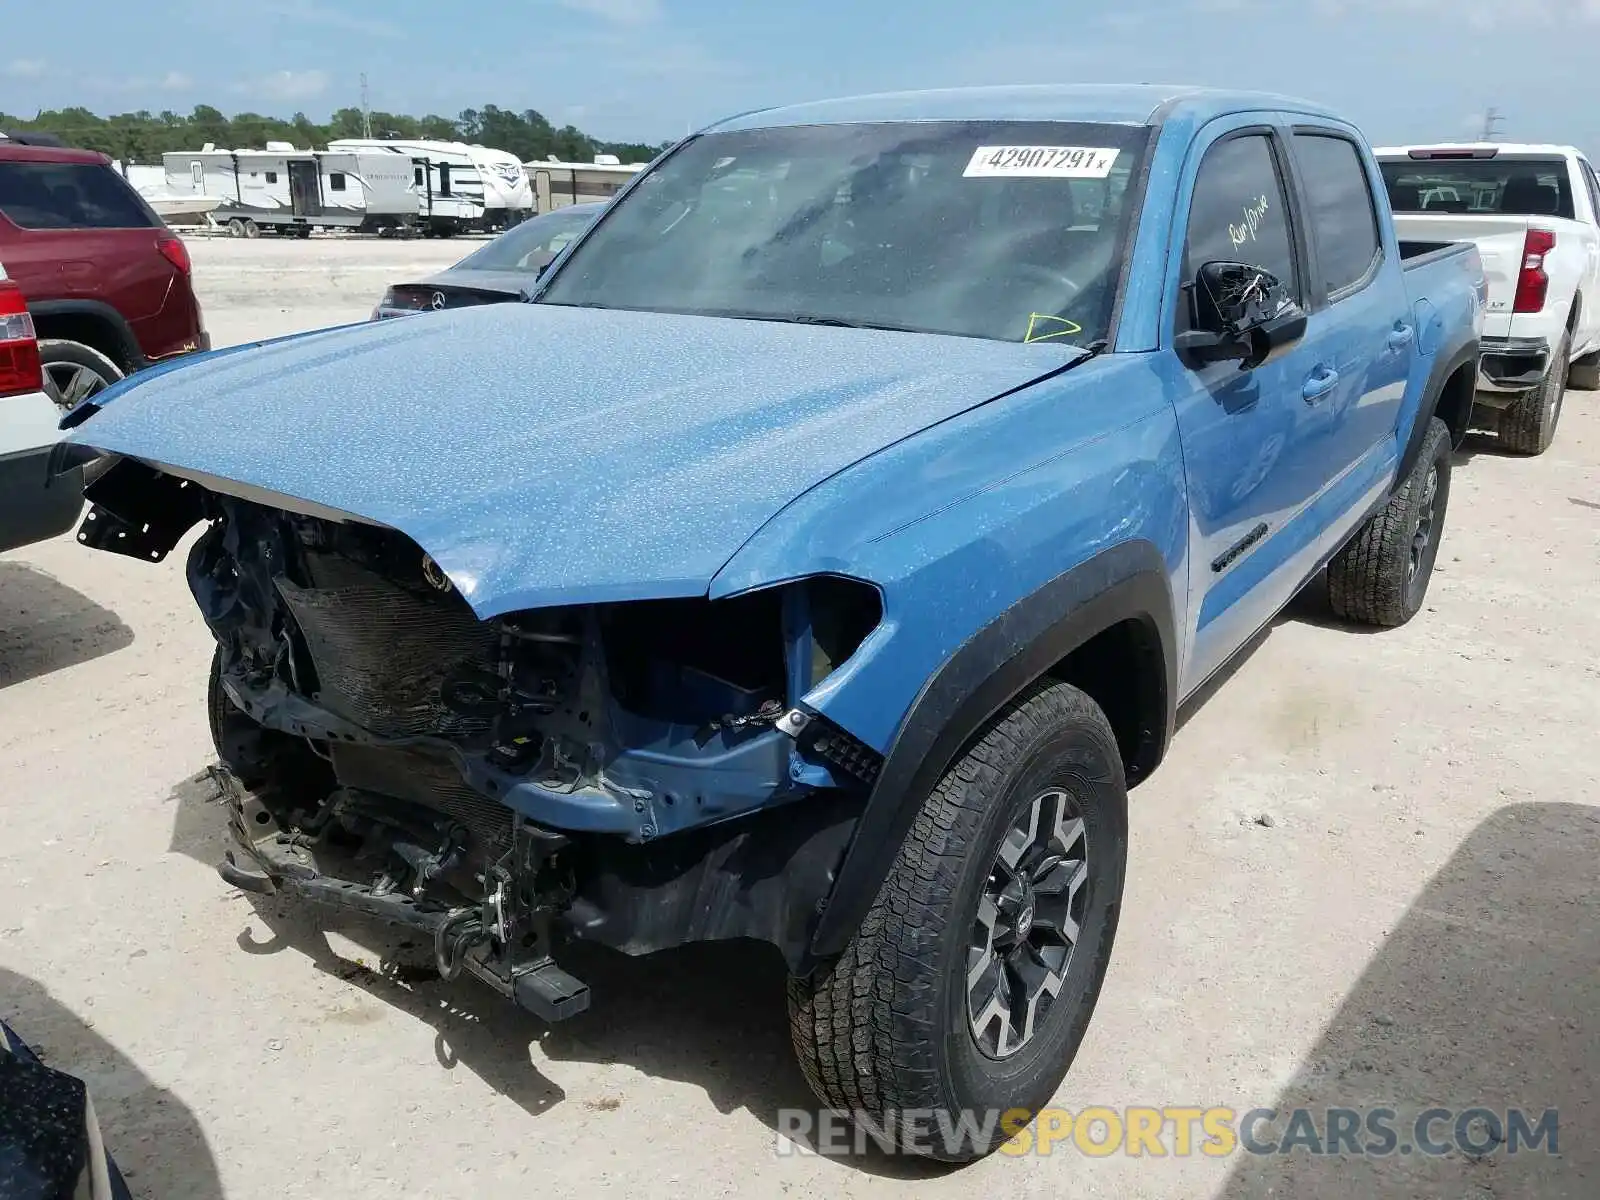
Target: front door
x=305 y=195
x=1242 y=429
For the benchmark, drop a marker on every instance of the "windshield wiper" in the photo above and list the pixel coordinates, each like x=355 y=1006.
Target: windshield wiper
x=739 y=314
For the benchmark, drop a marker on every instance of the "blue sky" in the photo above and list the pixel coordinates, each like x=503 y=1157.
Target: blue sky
x=650 y=69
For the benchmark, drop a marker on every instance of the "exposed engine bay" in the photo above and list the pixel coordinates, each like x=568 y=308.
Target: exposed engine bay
x=639 y=774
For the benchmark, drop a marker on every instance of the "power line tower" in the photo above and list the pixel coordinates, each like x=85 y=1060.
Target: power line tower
x=366 y=108
x=1492 y=120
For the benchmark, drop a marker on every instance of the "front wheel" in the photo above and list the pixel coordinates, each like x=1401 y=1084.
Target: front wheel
x=1381 y=576
x=956 y=1009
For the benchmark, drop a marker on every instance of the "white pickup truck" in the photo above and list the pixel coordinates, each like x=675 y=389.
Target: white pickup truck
x=1534 y=213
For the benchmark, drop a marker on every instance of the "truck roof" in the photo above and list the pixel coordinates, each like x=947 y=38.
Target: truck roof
x=1141 y=104
x=1499 y=148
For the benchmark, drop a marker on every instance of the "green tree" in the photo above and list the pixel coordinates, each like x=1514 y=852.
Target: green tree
x=144 y=137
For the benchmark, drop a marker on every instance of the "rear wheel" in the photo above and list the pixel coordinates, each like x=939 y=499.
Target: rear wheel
x=1381 y=577
x=251 y=229
x=967 y=989
x=1529 y=425
x=73 y=372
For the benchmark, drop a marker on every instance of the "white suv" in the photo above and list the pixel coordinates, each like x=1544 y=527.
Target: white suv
x=33 y=505
x=1534 y=212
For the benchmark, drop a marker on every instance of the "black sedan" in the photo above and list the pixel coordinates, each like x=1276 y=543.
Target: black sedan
x=496 y=272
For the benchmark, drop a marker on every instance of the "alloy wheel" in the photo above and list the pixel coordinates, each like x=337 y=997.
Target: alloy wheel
x=1028 y=924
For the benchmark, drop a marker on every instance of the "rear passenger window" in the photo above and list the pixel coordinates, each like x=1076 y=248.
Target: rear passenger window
x=46 y=195
x=1339 y=209
x=1240 y=213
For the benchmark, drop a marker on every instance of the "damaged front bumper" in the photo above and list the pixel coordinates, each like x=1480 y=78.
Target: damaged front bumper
x=503 y=942
x=639 y=774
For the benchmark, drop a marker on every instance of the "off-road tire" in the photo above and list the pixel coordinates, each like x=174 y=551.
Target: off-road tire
x=1585 y=374
x=885 y=1029
x=1528 y=426
x=59 y=355
x=1371 y=580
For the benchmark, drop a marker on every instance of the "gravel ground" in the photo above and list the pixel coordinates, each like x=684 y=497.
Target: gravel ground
x=1365 y=875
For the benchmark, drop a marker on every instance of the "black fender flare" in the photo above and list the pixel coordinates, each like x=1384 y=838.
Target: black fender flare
x=992 y=667
x=127 y=344
x=1444 y=367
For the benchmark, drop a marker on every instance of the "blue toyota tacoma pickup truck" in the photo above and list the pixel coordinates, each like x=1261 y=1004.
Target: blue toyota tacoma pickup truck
x=818 y=556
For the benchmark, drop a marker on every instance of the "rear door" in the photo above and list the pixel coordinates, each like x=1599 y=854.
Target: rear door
x=1360 y=322
x=79 y=232
x=1589 y=324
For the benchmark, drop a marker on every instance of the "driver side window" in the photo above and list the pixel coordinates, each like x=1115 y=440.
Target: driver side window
x=1240 y=213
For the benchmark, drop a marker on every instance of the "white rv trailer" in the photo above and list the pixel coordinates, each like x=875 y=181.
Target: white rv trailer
x=459 y=187
x=287 y=190
x=557 y=184
x=151 y=183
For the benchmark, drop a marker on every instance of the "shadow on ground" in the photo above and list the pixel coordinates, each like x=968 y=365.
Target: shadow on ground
x=1484 y=997
x=199 y=819
x=711 y=1015
x=156 y=1141
x=1479 y=442
x=47 y=626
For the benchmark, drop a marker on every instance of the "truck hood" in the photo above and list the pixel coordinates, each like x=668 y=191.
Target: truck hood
x=545 y=455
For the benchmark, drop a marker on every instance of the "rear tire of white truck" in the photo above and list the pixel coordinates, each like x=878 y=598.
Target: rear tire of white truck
x=964 y=995
x=1529 y=425
x=1381 y=576
x=1585 y=374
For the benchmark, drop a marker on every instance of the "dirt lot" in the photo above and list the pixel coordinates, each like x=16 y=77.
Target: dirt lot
x=1366 y=875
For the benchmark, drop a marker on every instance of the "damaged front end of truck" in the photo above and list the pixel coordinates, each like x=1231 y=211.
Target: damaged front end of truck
x=639 y=774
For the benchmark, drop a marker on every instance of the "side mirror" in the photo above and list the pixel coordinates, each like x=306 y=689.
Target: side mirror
x=1242 y=314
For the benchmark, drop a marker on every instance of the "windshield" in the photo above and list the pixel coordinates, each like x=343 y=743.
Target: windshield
x=1519 y=187
x=1004 y=230
x=532 y=244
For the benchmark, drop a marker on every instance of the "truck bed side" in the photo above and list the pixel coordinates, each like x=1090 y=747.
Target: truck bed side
x=1448 y=292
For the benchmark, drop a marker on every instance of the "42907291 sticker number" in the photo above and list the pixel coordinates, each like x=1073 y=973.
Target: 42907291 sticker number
x=1041 y=162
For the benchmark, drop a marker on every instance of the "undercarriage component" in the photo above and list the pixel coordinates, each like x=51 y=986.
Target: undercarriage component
x=372 y=855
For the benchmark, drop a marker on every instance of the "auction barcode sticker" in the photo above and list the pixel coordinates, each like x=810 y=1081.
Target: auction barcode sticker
x=1041 y=162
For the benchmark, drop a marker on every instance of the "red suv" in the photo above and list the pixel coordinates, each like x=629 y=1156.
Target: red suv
x=106 y=281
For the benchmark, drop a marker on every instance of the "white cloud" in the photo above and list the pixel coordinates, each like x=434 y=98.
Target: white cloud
x=310 y=13
x=618 y=12
x=175 y=81
x=26 y=68
x=285 y=86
